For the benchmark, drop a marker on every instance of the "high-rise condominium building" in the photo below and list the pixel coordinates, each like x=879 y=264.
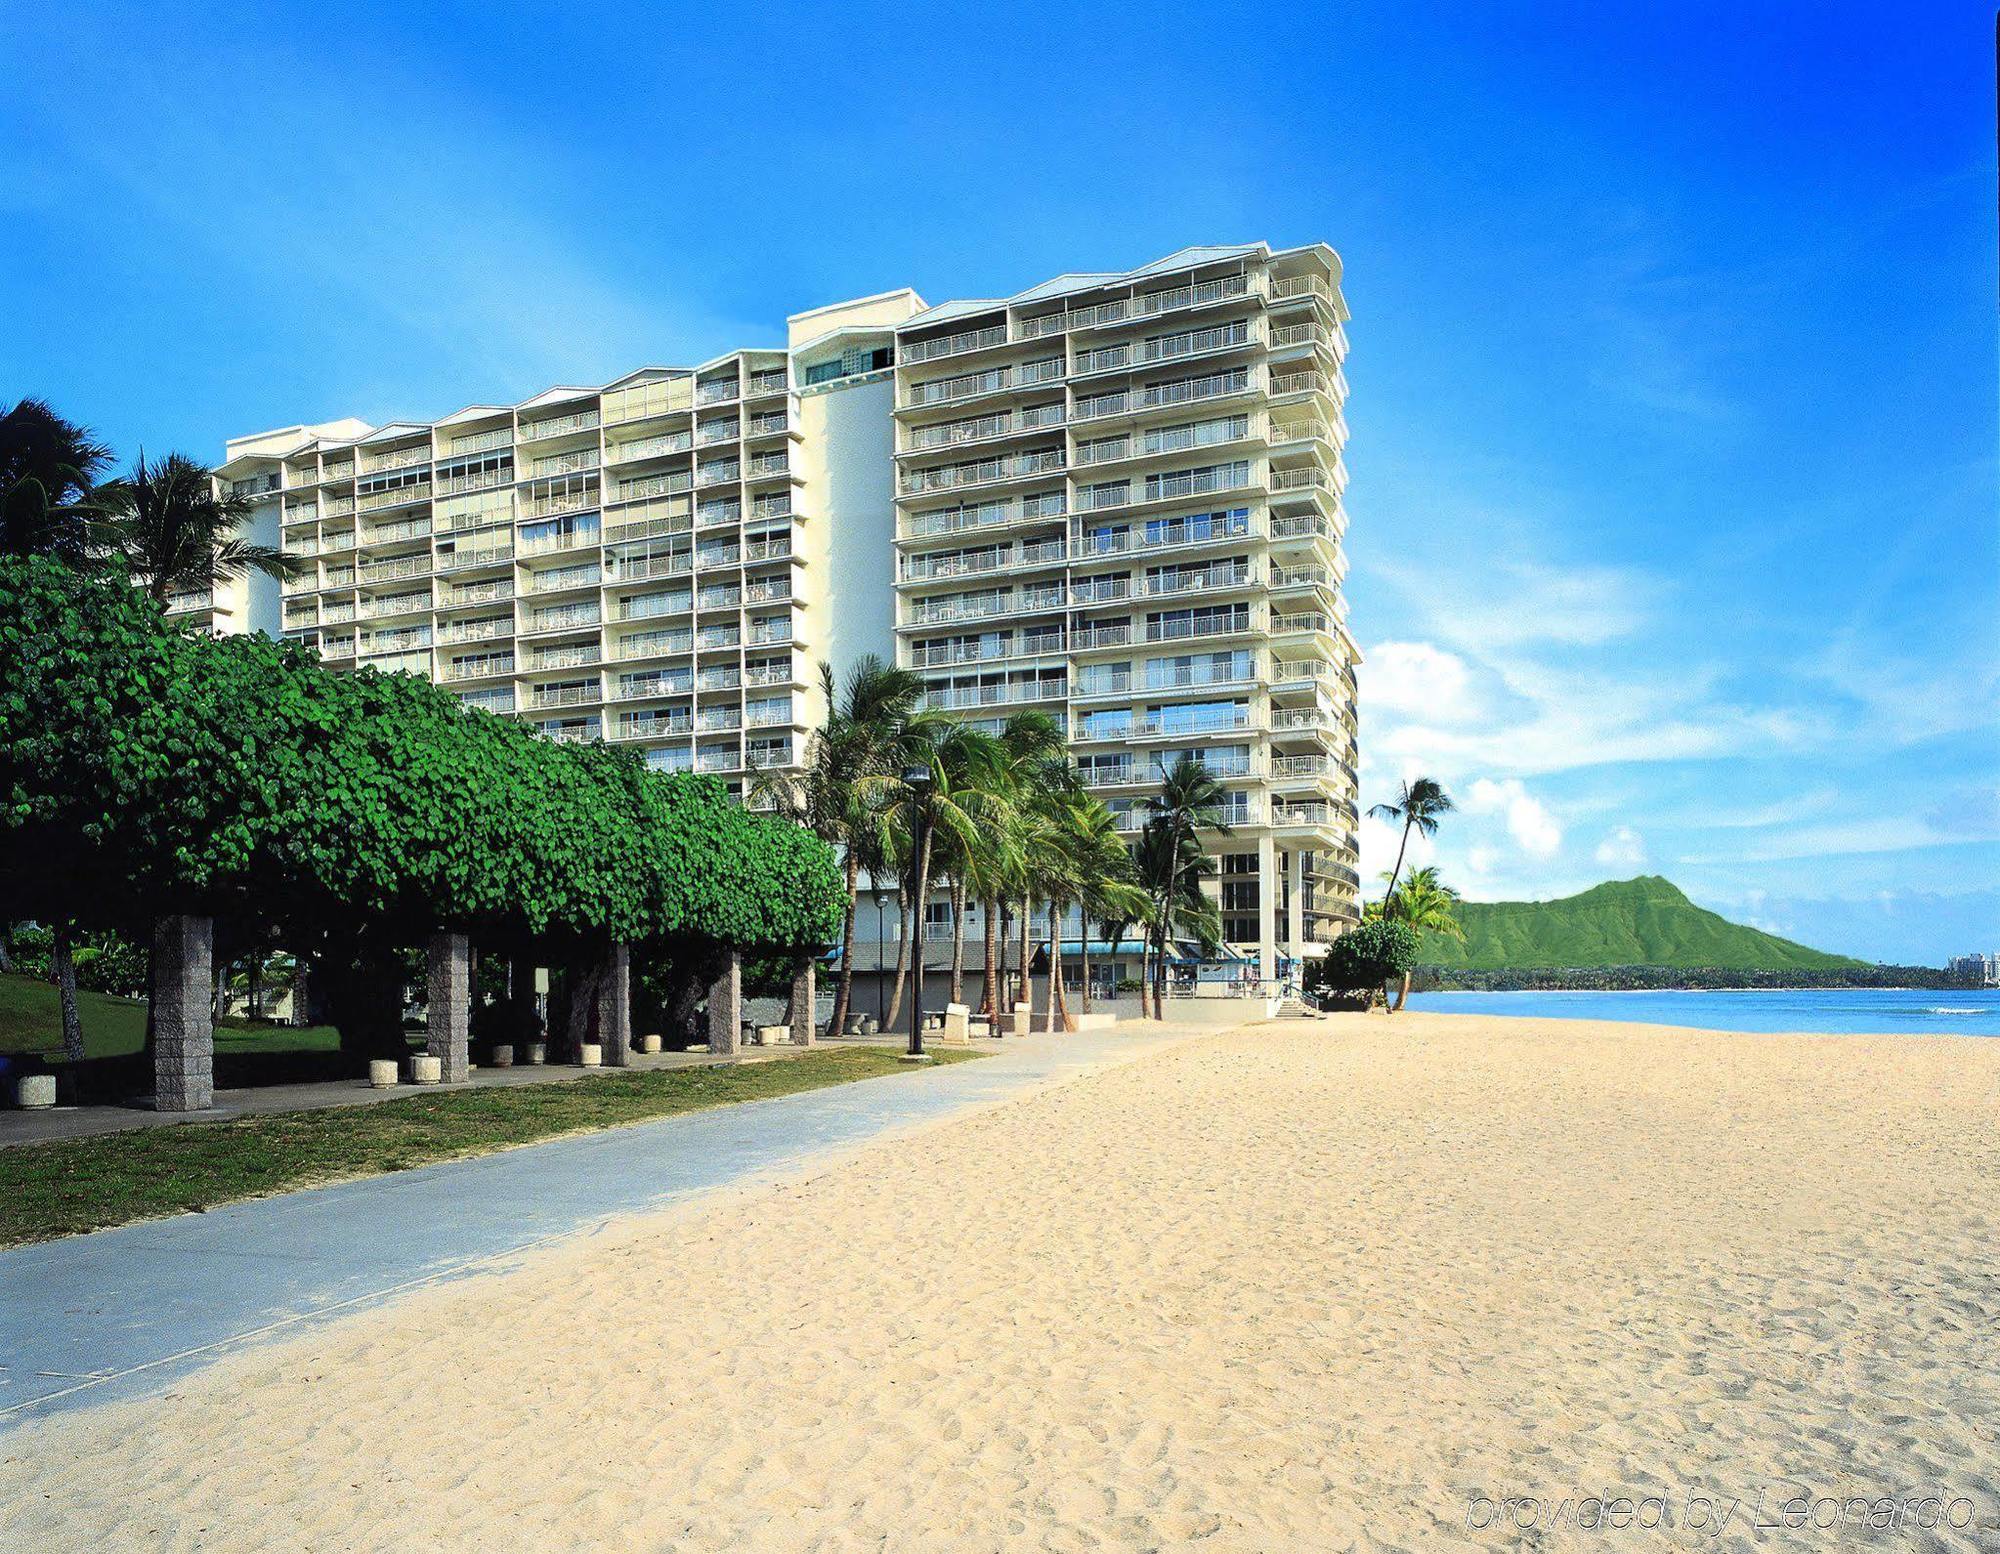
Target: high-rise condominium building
x=1115 y=498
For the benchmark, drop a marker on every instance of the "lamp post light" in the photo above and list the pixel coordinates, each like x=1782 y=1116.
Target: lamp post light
x=918 y=780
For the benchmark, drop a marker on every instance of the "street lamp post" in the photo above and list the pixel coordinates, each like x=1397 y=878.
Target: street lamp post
x=918 y=780
x=881 y=956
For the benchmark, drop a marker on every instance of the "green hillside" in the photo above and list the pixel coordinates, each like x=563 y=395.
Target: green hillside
x=1638 y=922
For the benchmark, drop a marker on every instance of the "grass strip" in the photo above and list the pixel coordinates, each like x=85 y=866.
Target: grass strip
x=72 y=1185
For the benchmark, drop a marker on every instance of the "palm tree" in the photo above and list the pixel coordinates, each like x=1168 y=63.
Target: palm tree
x=1035 y=765
x=1190 y=801
x=960 y=760
x=1185 y=913
x=179 y=533
x=1421 y=804
x=1428 y=905
x=51 y=493
x=1105 y=884
x=866 y=734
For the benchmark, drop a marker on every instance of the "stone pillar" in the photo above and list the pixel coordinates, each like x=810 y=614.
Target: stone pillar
x=1295 y=914
x=450 y=1017
x=1267 y=910
x=614 y=1007
x=725 y=1009
x=805 y=1014
x=183 y=1030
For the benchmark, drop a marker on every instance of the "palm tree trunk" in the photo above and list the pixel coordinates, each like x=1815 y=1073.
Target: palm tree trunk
x=62 y=961
x=916 y=934
x=1401 y=848
x=902 y=961
x=1145 y=969
x=1160 y=975
x=1027 y=977
x=1402 y=994
x=843 y=988
x=1083 y=942
x=957 y=940
x=990 y=1001
x=1056 y=999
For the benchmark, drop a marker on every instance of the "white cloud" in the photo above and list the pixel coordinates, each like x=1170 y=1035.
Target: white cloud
x=1417 y=677
x=1623 y=848
x=1529 y=823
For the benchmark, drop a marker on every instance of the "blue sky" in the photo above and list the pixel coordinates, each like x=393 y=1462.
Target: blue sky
x=1675 y=541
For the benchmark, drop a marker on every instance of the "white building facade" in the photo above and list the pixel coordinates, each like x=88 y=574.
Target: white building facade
x=1114 y=498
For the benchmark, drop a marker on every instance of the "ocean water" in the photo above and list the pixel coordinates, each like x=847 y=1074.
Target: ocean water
x=1865 y=1011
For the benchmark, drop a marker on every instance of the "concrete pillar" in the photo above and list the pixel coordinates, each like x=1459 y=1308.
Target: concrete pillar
x=183 y=1031
x=805 y=990
x=450 y=1018
x=614 y=1007
x=1295 y=914
x=1267 y=909
x=725 y=1009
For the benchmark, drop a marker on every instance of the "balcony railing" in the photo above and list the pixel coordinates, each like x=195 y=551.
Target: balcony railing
x=959 y=344
x=398 y=458
x=558 y=426
x=483 y=442
x=562 y=695
x=952 y=476
x=399 y=497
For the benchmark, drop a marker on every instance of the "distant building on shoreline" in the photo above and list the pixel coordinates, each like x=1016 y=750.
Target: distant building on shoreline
x=1976 y=970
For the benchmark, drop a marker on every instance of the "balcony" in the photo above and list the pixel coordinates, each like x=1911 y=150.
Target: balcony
x=1301 y=526
x=653 y=725
x=478 y=593
x=717 y=391
x=1288 y=383
x=402 y=566
x=985 y=471
x=557 y=426
x=986 y=515
x=483 y=442
x=568 y=618
x=957 y=698
x=400 y=496
x=960 y=344
x=465 y=560
x=398 y=458
x=649 y=447
x=570 y=733
x=1207 y=580
x=473 y=480
x=1183 y=630
x=563 y=695
x=477 y=631
x=579 y=538
x=563 y=579
x=576 y=656
x=556 y=503
x=1090 y=638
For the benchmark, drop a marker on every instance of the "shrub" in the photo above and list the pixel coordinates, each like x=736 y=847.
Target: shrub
x=1364 y=957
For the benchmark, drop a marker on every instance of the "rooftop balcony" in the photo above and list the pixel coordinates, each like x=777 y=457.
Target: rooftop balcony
x=557 y=426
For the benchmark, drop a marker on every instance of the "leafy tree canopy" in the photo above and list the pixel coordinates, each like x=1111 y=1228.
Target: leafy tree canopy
x=143 y=768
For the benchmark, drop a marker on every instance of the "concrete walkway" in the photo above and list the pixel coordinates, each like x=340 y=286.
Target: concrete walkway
x=124 y=1312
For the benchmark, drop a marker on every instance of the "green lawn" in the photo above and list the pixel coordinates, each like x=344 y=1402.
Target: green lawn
x=31 y=1022
x=83 y=1184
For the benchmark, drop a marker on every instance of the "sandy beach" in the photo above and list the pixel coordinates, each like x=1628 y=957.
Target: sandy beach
x=1351 y=1284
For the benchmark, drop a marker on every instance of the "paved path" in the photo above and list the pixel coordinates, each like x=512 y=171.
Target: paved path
x=124 y=1312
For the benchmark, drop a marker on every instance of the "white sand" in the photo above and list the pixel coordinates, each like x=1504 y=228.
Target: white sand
x=1308 y=1286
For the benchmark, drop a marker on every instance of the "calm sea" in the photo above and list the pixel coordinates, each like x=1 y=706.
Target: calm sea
x=1959 y=1012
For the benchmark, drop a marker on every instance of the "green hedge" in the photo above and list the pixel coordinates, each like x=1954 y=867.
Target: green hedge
x=156 y=768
